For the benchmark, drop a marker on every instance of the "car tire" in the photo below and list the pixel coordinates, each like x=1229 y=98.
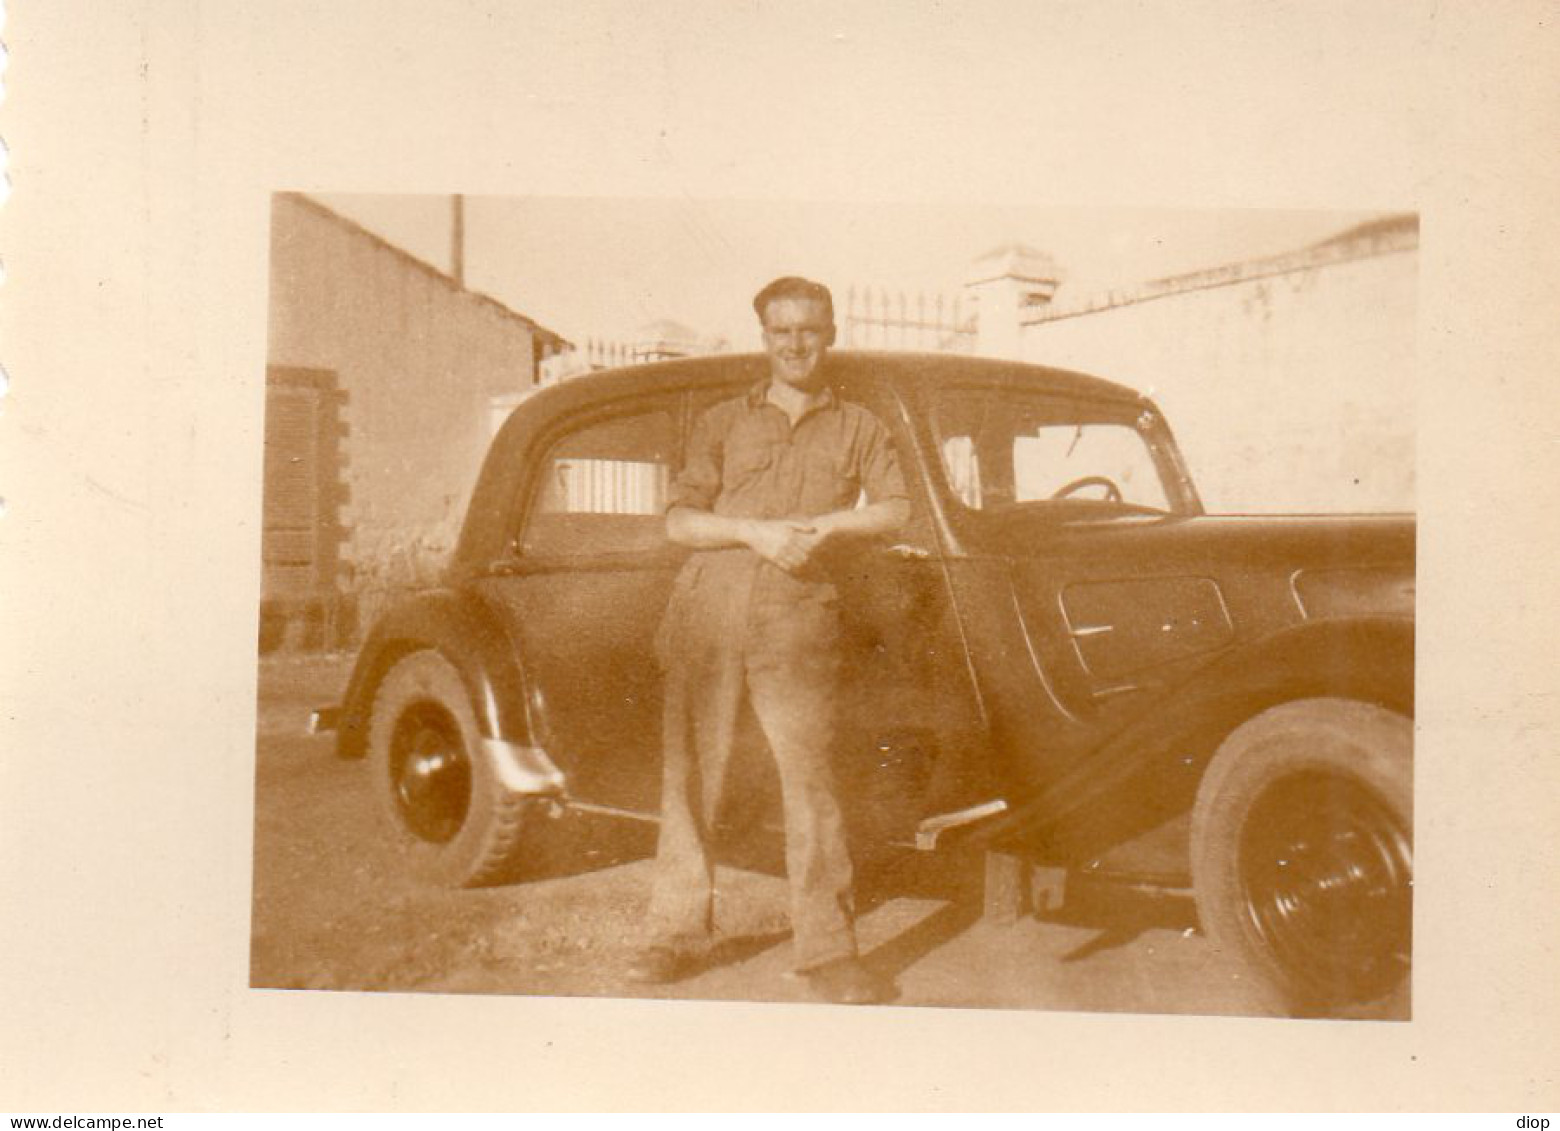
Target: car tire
x=436 y=792
x=1302 y=855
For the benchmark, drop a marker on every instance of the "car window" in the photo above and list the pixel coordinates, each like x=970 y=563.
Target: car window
x=1001 y=447
x=602 y=488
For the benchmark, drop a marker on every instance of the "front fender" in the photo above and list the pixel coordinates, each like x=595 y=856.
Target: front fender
x=471 y=637
x=1150 y=771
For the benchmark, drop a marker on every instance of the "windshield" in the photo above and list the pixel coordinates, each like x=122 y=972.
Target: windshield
x=1002 y=447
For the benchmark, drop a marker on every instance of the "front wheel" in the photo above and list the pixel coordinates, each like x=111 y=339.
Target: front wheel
x=437 y=794
x=1302 y=852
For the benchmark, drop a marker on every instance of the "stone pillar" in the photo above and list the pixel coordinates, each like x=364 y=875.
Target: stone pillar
x=1007 y=284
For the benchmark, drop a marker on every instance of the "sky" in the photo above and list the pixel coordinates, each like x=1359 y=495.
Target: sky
x=604 y=268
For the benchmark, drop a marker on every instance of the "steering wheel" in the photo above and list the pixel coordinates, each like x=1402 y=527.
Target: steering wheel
x=1112 y=492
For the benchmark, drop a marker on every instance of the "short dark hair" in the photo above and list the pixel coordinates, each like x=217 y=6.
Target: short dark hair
x=793 y=286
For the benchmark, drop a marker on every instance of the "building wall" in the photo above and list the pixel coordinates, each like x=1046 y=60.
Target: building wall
x=1290 y=392
x=419 y=361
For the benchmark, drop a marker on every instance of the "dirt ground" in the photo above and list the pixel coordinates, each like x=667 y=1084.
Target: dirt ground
x=334 y=909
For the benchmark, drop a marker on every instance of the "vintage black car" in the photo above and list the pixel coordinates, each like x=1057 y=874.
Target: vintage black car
x=1061 y=657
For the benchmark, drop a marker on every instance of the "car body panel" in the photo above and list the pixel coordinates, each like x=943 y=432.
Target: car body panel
x=604 y=731
x=1126 y=627
x=1105 y=809
x=458 y=624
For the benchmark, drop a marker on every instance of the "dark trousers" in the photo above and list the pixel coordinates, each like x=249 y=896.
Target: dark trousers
x=737 y=630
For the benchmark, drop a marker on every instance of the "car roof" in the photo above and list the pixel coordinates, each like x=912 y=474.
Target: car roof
x=502 y=471
x=912 y=369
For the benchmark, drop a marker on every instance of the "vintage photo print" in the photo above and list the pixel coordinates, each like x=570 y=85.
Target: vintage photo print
x=931 y=605
x=877 y=556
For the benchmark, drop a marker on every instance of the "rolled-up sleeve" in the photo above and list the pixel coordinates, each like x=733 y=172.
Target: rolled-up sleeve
x=698 y=483
x=881 y=478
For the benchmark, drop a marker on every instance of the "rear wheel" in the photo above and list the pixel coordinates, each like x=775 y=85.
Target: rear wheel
x=1302 y=852
x=438 y=795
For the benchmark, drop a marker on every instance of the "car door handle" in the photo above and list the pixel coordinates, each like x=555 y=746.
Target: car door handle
x=905 y=552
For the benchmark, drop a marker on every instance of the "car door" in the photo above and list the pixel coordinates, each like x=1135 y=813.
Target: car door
x=1080 y=608
x=913 y=741
x=583 y=589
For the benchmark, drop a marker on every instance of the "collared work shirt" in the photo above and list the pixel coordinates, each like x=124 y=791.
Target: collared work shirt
x=747 y=460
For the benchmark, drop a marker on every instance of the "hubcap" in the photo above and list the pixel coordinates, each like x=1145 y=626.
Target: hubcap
x=430 y=773
x=1326 y=874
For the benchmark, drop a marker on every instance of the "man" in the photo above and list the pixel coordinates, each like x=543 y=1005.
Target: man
x=771 y=478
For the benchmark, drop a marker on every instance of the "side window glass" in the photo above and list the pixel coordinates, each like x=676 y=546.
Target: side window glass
x=961 y=463
x=602 y=489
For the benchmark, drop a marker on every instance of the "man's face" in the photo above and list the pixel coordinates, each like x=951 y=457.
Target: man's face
x=797 y=334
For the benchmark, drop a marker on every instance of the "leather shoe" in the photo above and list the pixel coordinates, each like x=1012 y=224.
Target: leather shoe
x=659 y=965
x=845 y=981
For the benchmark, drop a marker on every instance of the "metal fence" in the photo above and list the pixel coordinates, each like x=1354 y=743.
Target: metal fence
x=876 y=318
x=871 y=318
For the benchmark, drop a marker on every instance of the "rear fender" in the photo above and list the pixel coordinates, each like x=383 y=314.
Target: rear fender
x=467 y=633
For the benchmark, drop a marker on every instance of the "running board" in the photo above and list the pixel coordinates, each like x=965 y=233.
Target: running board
x=609 y=811
x=929 y=831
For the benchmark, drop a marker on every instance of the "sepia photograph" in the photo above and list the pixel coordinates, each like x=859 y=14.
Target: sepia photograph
x=1021 y=618
x=890 y=556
